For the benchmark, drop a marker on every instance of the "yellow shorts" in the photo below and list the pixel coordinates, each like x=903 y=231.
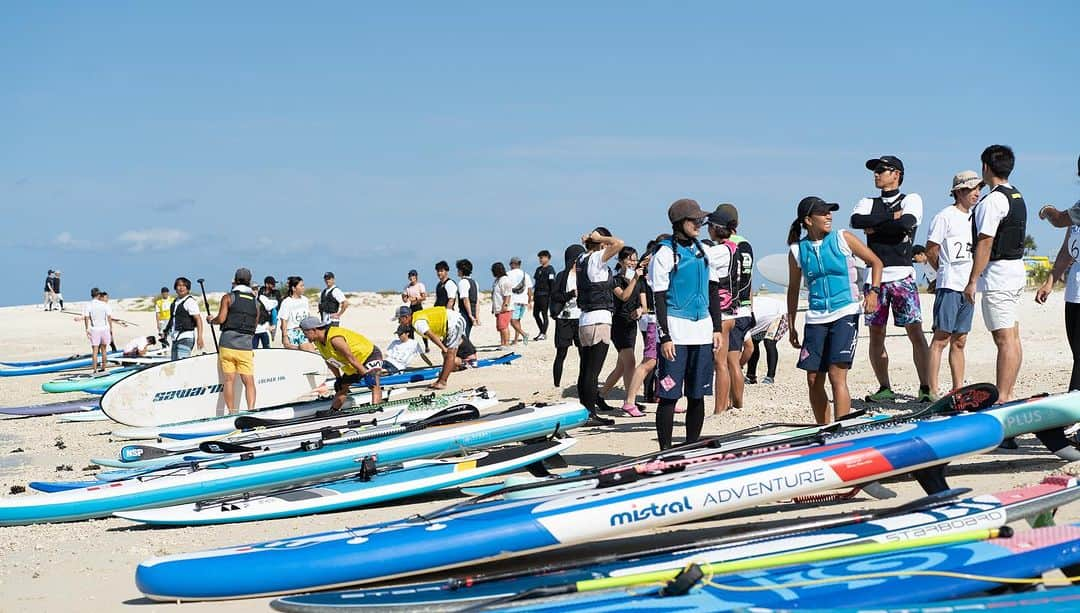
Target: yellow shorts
x=240 y=361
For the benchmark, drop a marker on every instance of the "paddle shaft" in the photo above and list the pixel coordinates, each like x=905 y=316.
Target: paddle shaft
x=209 y=319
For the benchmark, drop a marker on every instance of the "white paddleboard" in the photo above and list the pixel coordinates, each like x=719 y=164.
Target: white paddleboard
x=774 y=268
x=191 y=388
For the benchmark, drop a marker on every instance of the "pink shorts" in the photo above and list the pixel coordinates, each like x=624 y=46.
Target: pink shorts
x=502 y=321
x=99 y=338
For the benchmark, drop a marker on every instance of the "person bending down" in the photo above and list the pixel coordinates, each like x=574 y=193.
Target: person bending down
x=443 y=327
x=349 y=355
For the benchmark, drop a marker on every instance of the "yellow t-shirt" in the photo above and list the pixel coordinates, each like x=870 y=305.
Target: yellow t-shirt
x=435 y=318
x=162 y=306
x=359 y=346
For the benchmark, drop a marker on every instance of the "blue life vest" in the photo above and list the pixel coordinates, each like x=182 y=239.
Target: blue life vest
x=688 y=285
x=829 y=273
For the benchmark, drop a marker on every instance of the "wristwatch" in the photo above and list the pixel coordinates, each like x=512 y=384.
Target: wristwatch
x=876 y=289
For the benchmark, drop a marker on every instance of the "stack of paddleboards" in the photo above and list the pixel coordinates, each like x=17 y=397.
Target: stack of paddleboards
x=311 y=459
x=634 y=496
x=48 y=365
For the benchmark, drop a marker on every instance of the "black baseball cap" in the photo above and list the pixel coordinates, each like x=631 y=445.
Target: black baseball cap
x=328 y=275
x=413 y=273
x=885 y=160
x=724 y=216
x=811 y=204
x=270 y=280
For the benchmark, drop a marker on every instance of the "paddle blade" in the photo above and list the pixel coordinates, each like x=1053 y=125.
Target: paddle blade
x=224 y=447
x=134 y=453
x=450 y=415
x=974 y=397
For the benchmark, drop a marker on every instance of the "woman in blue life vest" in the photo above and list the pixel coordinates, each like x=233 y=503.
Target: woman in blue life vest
x=687 y=322
x=826 y=260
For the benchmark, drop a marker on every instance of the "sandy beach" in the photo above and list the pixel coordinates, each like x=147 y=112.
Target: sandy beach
x=90 y=565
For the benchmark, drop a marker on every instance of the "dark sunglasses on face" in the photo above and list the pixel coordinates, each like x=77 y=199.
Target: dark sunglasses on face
x=883 y=169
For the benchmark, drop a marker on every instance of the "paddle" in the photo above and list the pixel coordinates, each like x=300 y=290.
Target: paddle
x=681 y=580
x=447 y=416
x=251 y=422
x=213 y=334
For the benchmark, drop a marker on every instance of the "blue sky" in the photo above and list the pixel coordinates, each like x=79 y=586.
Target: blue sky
x=142 y=141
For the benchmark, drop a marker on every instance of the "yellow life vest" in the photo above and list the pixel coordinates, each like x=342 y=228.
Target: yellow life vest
x=163 y=307
x=435 y=318
x=359 y=346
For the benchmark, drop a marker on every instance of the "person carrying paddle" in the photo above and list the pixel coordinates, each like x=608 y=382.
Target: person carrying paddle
x=185 y=326
x=688 y=322
x=350 y=356
x=445 y=328
x=826 y=260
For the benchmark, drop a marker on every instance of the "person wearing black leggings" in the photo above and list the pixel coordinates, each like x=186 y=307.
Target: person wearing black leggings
x=596 y=299
x=564 y=309
x=544 y=282
x=688 y=322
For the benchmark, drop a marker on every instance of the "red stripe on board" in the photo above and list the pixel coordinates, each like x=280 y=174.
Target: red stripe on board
x=859 y=464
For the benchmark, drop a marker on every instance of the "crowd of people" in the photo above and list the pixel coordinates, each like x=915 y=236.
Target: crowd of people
x=690 y=300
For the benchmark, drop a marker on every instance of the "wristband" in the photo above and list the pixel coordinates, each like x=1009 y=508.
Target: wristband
x=876 y=289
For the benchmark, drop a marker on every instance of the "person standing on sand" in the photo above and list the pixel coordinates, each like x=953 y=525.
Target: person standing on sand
x=1067 y=268
x=293 y=310
x=543 y=285
x=948 y=253
x=98 y=319
x=628 y=309
x=596 y=299
x=446 y=290
x=521 y=296
x=564 y=309
x=998 y=230
x=688 y=322
x=890 y=222
x=238 y=317
x=267 y=301
x=825 y=259
x=468 y=296
x=414 y=295
x=163 y=308
x=644 y=375
x=185 y=326
x=350 y=356
x=726 y=219
x=332 y=301
x=723 y=277
x=58 y=297
x=500 y=303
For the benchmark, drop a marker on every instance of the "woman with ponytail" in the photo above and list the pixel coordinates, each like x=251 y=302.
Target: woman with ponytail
x=825 y=259
x=687 y=322
x=596 y=299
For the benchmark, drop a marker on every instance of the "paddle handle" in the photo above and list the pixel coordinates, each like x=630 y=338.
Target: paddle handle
x=213 y=335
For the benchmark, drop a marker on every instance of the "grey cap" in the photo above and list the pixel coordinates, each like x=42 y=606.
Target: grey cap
x=243 y=275
x=515 y=260
x=313 y=323
x=402 y=311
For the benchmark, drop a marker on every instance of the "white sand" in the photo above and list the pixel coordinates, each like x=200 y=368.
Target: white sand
x=90 y=565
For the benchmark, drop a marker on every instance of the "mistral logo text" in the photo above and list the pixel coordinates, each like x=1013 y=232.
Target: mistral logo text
x=637 y=514
x=187 y=393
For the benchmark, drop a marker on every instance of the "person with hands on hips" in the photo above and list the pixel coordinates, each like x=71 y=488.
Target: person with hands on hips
x=688 y=322
x=825 y=260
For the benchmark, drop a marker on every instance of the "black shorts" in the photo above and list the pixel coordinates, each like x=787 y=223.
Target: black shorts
x=624 y=334
x=466 y=349
x=344 y=382
x=737 y=335
x=566 y=333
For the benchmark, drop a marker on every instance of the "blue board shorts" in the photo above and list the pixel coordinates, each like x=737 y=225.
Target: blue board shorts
x=738 y=332
x=690 y=374
x=952 y=312
x=517 y=311
x=829 y=344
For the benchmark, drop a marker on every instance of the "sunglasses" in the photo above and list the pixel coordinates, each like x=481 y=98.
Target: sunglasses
x=697 y=222
x=883 y=169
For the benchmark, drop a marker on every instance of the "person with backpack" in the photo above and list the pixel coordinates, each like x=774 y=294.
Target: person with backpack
x=521 y=296
x=565 y=311
x=267 y=302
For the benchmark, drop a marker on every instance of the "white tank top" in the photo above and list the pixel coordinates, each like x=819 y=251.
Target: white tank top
x=1072 y=275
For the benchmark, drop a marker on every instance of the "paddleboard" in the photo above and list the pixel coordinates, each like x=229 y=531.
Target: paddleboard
x=933 y=573
x=47 y=361
x=96 y=414
x=82 y=382
x=255 y=470
x=56 y=408
x=416 y=375
x=189 y=389
x=978 y=512
x=70 y=364
x=774 y=268
x=474 y=533
x=410 y=479
x=1051 y=600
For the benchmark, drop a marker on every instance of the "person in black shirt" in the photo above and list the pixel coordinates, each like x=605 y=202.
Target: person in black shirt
x=544 y=282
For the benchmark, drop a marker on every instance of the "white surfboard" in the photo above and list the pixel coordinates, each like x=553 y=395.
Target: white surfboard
x=774 y=268
x=191 y=388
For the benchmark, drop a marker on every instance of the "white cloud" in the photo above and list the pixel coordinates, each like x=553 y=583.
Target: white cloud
x=65 y=240
x=153 y=239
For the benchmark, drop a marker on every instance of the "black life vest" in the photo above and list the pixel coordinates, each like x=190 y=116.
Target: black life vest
x=441 y=297
x=327 y=303
x=264 y=315
x=892 y=249
x=179 y=318
x=473 y=297
x=593 y=295
x=1009 y=239
x=242 y=313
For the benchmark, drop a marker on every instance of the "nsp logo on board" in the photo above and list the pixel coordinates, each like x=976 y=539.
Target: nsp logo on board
x=636 y=514
x=187 y=392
